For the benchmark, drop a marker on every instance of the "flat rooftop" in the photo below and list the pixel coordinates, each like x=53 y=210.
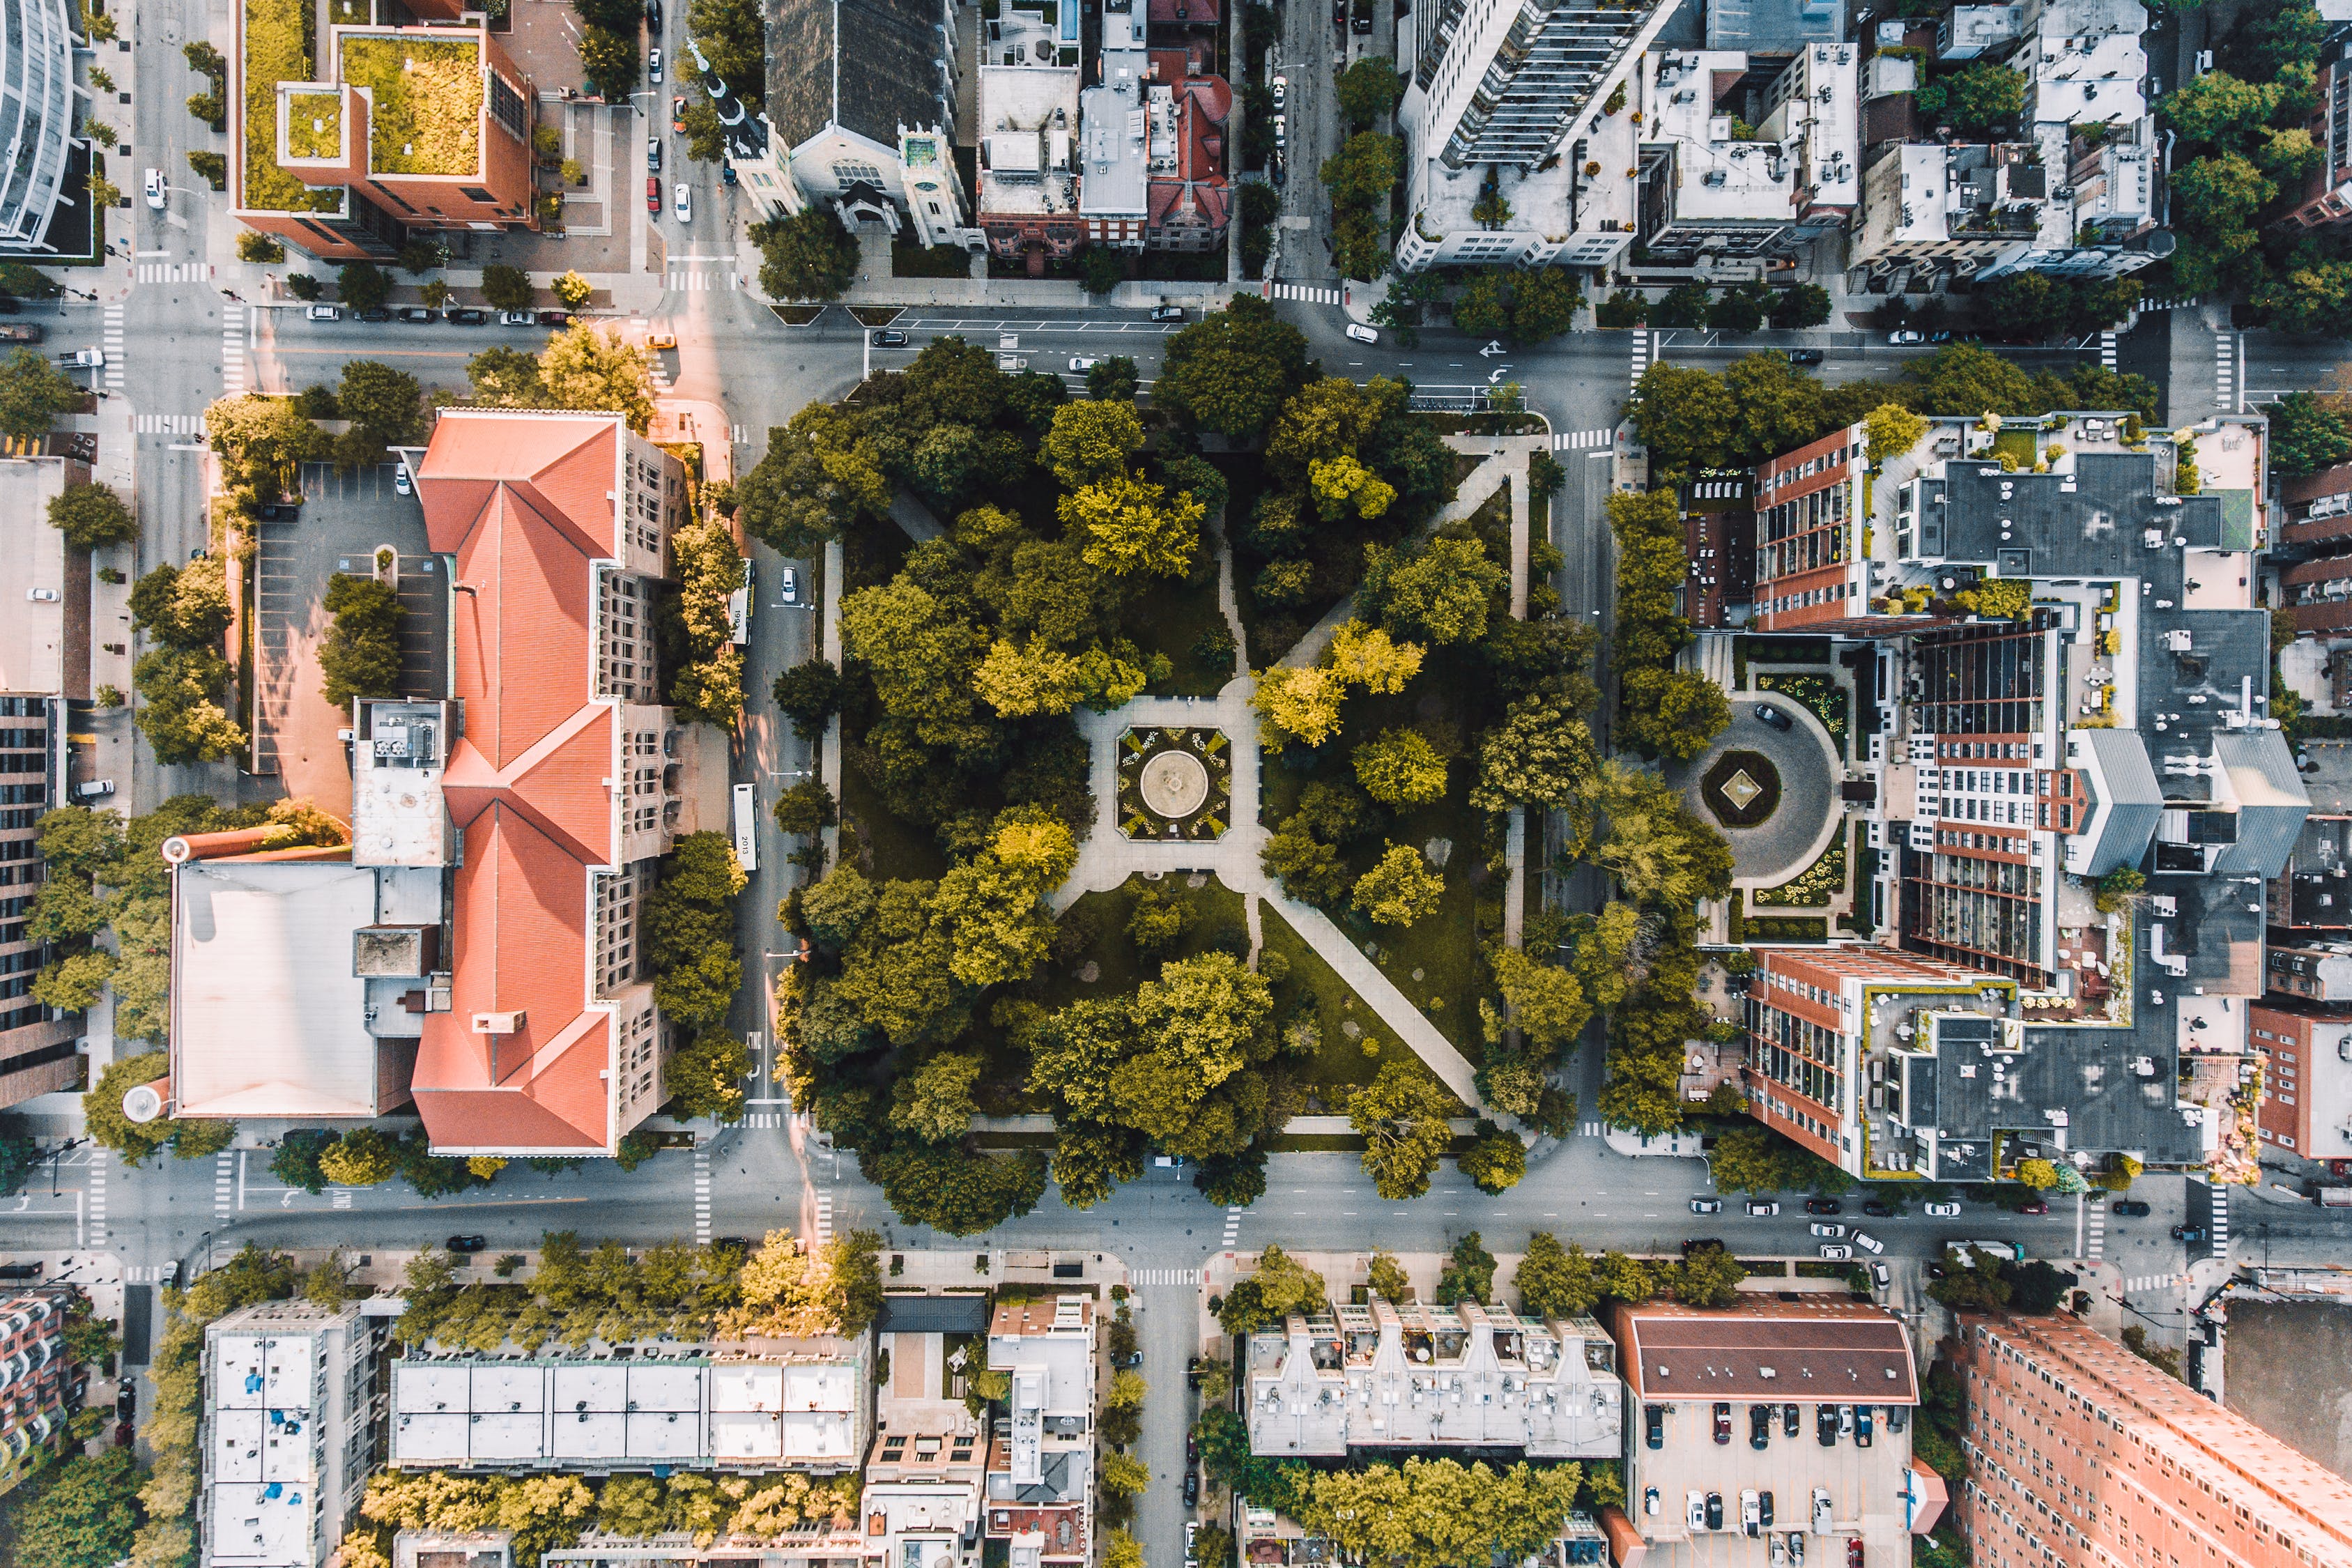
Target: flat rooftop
x=34 y=632
x=1829 y=1350
x=424 y=96
x=1717 y=175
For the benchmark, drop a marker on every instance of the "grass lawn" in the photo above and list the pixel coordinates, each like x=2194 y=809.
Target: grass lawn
x=1119 y=968
x=1341 y=1066
x=1178 y=615
x=2016 y=444
x=898 y=850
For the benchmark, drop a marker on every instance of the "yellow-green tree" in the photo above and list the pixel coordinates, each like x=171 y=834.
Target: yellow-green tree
x=1018 y=680
x=1296 y=703
x=1400 y=889
x=1369 y=656
x=1132 y=525
x=1090 y=442
x=1400 y=767
x=1343 y=487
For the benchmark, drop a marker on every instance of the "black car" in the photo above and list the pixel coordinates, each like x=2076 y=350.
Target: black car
x=2130 y=1207
x=279 y=511
x=1653 y=1424
x=10 y=305
x=468 y=316
x=1764 y=1511
x=126 y=1401
x=555 y=317
x=889 y=338
x=1877 y=1210
x=1823 y=1205
x=1715 y=1510
x=1789 y=1419
x=1191 y=1488
x=1723 y=1422
x=467 y=1244
x=2187 y=1233
x=416 y=314
x=1768 y=714
x=1804 y=356
x=1760 y=1425
x=374 y=313
x=1895 y=1418
x=1826 y=1425
x=653 y=17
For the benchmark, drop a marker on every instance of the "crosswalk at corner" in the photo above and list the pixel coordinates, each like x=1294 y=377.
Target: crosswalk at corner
x=1592 y=1130
x=96 y=1215
x=737 y=433
x=1163 y=1277
x=1578 y=440
x=2107 y=350
x=702 y=1195
x=765 y=1119
x=2094 y=1242
x=2139 y=1283
x=1641 y=354
x=1233 y=1225
x=2221 y=1222
x=112 y=345
x=824 y=1218
x=167 y=425
x=2225 y=370
x=1307 y=293
x=223 y=1183
x=232 y=351
x=175 y=271
x=705 y=282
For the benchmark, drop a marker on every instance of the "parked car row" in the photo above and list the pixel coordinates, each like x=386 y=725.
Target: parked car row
x=457 y=315
x=1831 y=1422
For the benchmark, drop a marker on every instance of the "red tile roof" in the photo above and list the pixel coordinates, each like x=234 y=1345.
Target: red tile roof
x=1197 y=13
x=1817 y=1348
x=524 y=502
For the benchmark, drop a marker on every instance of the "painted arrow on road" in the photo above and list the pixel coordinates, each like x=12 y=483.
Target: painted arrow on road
x=1490 y=351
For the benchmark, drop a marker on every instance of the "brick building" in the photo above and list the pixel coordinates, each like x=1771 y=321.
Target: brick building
x=2081 y=1453
x=391 y=132
x=1811 y=573
x=38 y=1385
x=2307 y=1106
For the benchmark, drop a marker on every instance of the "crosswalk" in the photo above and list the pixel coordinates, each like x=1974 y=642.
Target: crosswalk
x=824 y=1218
x=702 y=1195
x=223 y=1183
x=340 y=1198
x=1233 y=1225
x=1578 y=440
x=2172 y=302
x=146 y=1273
x=765 y=1119
x=96 y=1216
x=1164 y=1277
x=2095 y=1239
x=1592 y=1130
x=175 y=271
x=2141 y=1282
x=112 y=344
x=2107 y=350
x=1641 y=354
x=1307 y=293
x=167 y=425
x=232 y=351
x=2225 y=369
x=706 y=282
x=2221 y=1222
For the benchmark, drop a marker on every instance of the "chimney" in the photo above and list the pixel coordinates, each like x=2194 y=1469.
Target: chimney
x=147 y=1102
x=217 y=845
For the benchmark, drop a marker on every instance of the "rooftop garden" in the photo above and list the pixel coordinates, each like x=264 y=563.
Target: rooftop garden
x=314 y=125
x=278 y=38
x=425 y=112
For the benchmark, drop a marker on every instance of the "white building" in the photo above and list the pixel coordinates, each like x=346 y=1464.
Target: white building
x=678 y=1406
x=1713 y=188
x=1813 y=109
x=288 y=1434
x=1514 y=156
x=1114 y=180
x=1410 y=1375
x=1041 y=1463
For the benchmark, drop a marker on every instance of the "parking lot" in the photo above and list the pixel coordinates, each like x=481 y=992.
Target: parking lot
x=344 y=519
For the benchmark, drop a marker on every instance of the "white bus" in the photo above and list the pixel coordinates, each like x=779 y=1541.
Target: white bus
x=747 y=827
x=738 y=609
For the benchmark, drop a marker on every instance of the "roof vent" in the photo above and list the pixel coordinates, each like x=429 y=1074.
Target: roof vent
x=498 y=1023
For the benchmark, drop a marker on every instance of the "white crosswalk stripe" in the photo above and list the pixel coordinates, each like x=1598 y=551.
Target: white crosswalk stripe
x=167 y=425
x=232 y=351
x=1641 y=354
x=2225 y=369
x=112 y=344
x=738 y=434
x=1577 y=440
x=824 y=1218
x=1164 y=1277
x=2094 y=1243
x=702 y=1195
x=1312 y=295
x=1592 y=1130
x=2107 y=350
x=765 y=1119
x=1233 y=1225
x=175 y=271
x=2152 y=1282
x=2221 y=1221
x=340 y=1198
x=705 y=282
x=223 y=1183
x=2173 y=302
x=98 y=1169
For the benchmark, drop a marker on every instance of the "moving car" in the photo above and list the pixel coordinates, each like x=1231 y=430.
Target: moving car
x=1281 y=130
x=1804 y=356
x=1080 y=363
x=653 y=17
x=653 y=194
x=1706 y=1206
x=1835 y=1232
x=661 y=340
x=1760 y=1425
x=726 y=172
x=1750 y=1510
x=2034 y=1206
x=2131 y=1208
x=467 y=1244
x=653 y=153
x=84 y=359
x=516 y=318
x=889 y=338
x=1877 y=1210
x=653 y=65
x=1823 y=1205
x=1762 y=1205
x=789 y=589
x=1836 y=1251
x=156 y=190
x=1281 y=85
x=1940 y=1211
x=1363 y=334
x=2187 y=1233
x=1768 y=714
x=400 y=481
x=1166 y=312
x=1723 y=1422
x=682 y=201
x=323 y=314
x=1653 y=1424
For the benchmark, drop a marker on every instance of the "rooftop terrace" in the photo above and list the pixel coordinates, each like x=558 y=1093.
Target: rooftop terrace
x=425 y=101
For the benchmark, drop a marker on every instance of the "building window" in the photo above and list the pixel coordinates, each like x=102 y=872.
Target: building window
x=624 y=666
x=617 y=932
x=477 y=194
x=506 y=107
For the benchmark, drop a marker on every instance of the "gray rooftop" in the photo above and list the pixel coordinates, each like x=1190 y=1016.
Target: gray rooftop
x=1775 y=27
x=933 y=1315
x=890 y=73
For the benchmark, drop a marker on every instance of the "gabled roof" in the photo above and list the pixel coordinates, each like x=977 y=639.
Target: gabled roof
x=525 y=504
x=1821 y=1350
x=867 y=66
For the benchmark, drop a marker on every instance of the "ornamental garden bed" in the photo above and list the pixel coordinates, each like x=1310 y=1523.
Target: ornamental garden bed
x=1742 y=788
x=1821 y=696
x=1175 y=783
x=1815 y=886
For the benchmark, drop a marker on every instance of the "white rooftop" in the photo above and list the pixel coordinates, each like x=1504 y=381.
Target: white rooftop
x=1717 y=176
x=1820 y=115
x=1111 y=179
x=33 y=561
x=398 y=815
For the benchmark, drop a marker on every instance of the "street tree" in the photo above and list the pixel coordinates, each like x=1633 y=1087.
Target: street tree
x=90 y=515
x=1894 y=430
x=507 y=288
x=1672 y=713
x=809 y=694
x=1232 y=370
x=1495 y=1161
x=1555 y=1281
x=2307 y=435
x=262 y=443
x=1387 y=1277
x=363 y=285
x=1370 y=91
x=1684 y=415
x=1403 y=1115
x=732 y=35
x=85 y=1516
x=808 y=256
x=180 y=712
x=385 y=408
x=1544 y=302
x=1114 y=379
x=584 y=366
x=1664 y=856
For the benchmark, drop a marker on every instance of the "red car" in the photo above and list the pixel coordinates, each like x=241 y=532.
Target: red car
x=1853 y=1551
x=653 y=194
x=2033 y=1205
x=678 y=114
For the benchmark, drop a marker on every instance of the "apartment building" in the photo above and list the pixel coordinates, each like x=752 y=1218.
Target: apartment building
x=39 y=1384
x=41 y=215
x=861 y=112
x=2307 y=1107
x=2311 y=970
x=1041 y=1458
x=925 y=1489
x=1028 y=152
x=1152 y=173
x=1711 y=186
x=1813 y=108
x=2326 y=193
x=1518 y=133
x=1968 y=32
x=2081 y=1453
x=1818 y=1394
x=788 y=1405
x=389 y=132
x=1390 y=1375
x=1811 y=573
x=289 y=1420
x=2312 y=894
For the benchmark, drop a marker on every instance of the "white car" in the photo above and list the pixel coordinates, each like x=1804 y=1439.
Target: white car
x=400 y=481
x=1706 y=1206
x=1762 y=1205
x=324 y=314
x=1824 y=1516
x=1905 y=339
x=43 y=595
x=1796 y=1549
x=1835 y=1232
x=653 y=65
x=1281 y=131
x=1941 y=1210
x=84 y=359
x=1869 y=1244
x=1750 y=1510
x=96 y=789
x=1880 y=1277
x=518 y=319
x=682 y=201
x=1836 y=1251
x=789 y=589
x=1649 y=1502
x=1363 y=334
x=1281 y=85
x=1698 y=1511
x=1079 y=363
x=156 y=190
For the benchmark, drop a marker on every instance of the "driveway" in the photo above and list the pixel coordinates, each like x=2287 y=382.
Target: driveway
x=1799 y=829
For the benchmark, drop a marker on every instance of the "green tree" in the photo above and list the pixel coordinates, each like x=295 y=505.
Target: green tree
x=385 y=407
x=584 y=367
x=1370 y=91
x=934 y=1102
x=1468 y=1273
x=1401 y=1114
x=1114 y=379
x=1280 y=1285
x=818 y=475
x=809 y=694
x=1800 y=305
x=571 y=291
x=363 y=285
x=74 y=983
x=1232 y=370
x=705 y=134
x=806 y=808
x=1663 y=854
x=506 y=378
x=1540 y=755
x=1388 y=1278
x=1495 y=1162
x=1090 y=442
x=1400 y=889
x=507 y=288
x=360 y=654
x=1544 y=301
x=1979 y=97
x=1442 y=593
x=1684 y=415
x=2307 y=435
x=1400 y=767
x=1893 y=429
x=1672 y=713
x=91 y=515
x=363 y=1158
x=262 y=443
x=705 y=1077
x=183 y=608
x=1547 y=1006
x=2221 y=197
x=960 y=1193
x=2216 y=110
x=87 y=1517
x=33 y=393
x=181 y=712
x=609 y=61
x=1553 y=1281
x=1483 y=308
x=806 y=257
